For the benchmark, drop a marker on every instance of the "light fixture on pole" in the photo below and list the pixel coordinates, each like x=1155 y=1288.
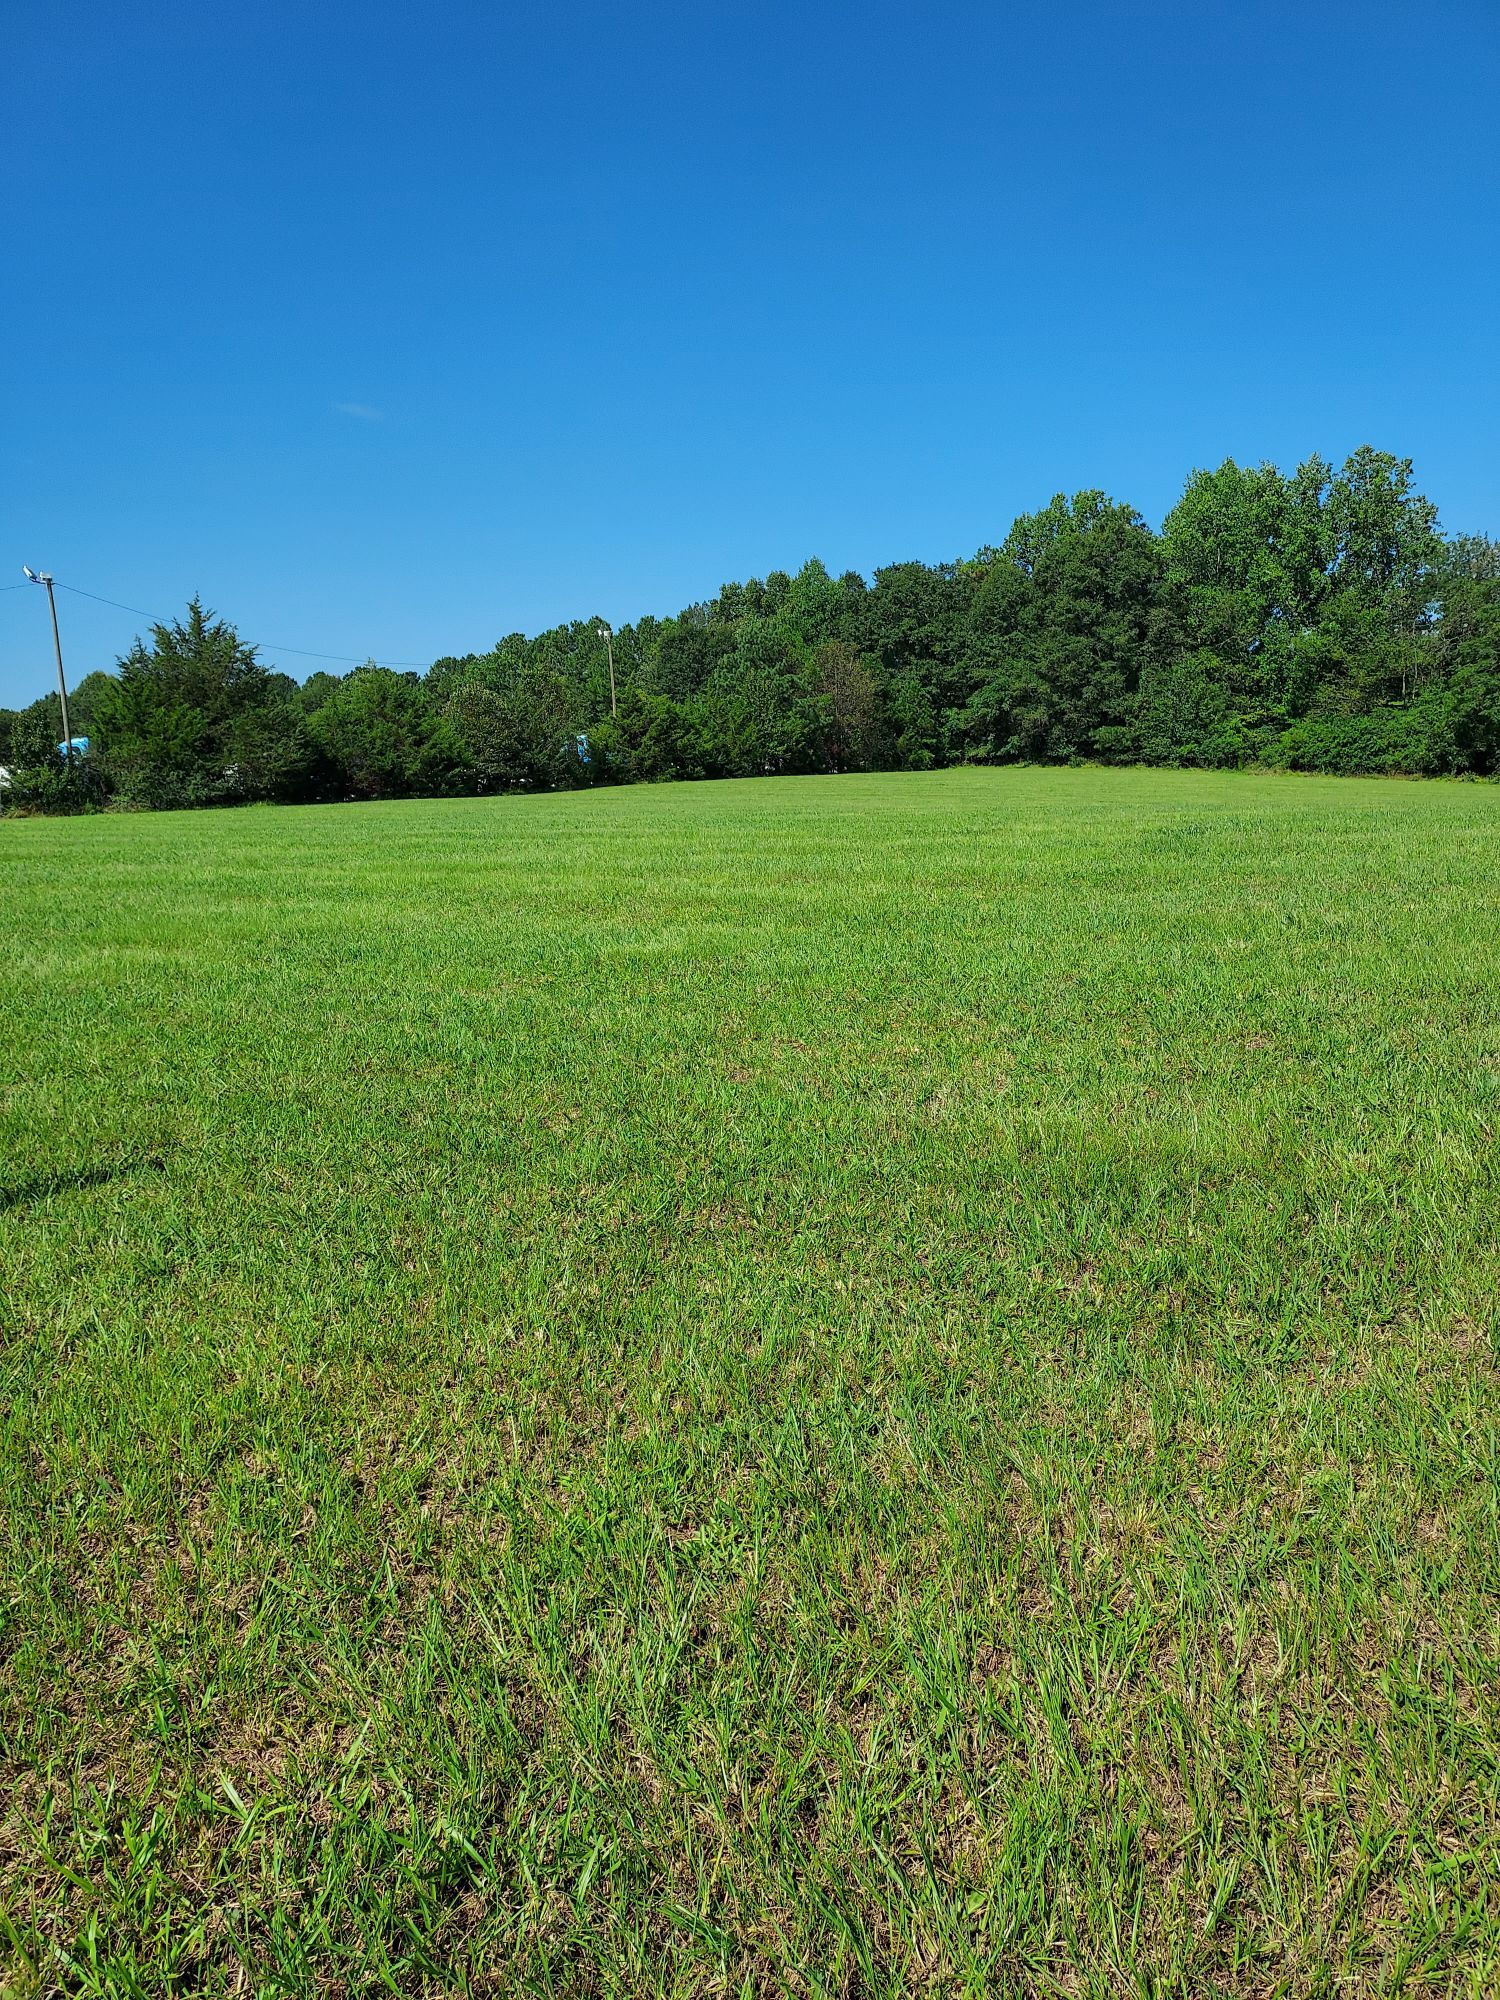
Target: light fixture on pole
x=609 y=640
x=32 y=576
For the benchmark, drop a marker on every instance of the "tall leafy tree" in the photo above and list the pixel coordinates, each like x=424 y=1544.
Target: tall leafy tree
x=167 y=724
x=852 y=711
x=1386 y=547
x=1061 y=627
x=1246 y=555
x=383 y=737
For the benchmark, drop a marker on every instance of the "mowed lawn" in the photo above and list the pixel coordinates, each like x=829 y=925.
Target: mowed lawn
x=859 y=1386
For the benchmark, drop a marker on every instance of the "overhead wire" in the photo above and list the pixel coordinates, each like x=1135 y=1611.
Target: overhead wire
x=265 y=645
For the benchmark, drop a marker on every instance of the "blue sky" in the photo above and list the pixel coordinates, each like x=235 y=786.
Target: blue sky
x=391 y=330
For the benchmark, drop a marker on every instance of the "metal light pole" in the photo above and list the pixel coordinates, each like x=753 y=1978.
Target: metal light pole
x=62 y=685
x=609 y=641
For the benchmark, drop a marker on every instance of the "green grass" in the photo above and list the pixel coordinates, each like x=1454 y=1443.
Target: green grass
x=863 y=1386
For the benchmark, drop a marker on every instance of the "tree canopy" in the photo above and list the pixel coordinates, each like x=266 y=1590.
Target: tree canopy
x=1316 y=619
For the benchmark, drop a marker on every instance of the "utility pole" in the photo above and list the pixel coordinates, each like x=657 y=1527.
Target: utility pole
x=32 y=576
x=609 y=640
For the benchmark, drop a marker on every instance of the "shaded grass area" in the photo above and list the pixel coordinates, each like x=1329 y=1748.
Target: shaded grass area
x=853 y=1386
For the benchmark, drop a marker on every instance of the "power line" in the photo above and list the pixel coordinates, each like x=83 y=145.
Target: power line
x=134 y=609
x=266 y=645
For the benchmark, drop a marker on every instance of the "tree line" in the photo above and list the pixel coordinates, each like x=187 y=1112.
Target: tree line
x=1314 y=620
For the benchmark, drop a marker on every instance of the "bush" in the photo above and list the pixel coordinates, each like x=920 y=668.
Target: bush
x=41 y=779
x=383 y=738
x=1183 y=716
x=56 y=787
x=1414 y=742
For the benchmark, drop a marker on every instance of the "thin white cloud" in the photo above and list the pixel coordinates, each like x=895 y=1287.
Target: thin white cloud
x=363 y=411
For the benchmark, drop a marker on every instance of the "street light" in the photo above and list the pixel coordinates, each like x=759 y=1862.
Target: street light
x=609 y=640
x=62 y=685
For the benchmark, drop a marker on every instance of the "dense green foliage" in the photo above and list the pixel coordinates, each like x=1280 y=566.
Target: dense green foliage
x=853 y=1388
x=1318 y=621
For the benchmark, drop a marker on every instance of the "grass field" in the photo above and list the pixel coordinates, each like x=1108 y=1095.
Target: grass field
x=855 y=1386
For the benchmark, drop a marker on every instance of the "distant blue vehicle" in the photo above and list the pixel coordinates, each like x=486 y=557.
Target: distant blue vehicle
x=79 y=745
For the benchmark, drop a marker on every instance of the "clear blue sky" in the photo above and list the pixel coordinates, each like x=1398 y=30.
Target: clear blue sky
x=392 y=329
